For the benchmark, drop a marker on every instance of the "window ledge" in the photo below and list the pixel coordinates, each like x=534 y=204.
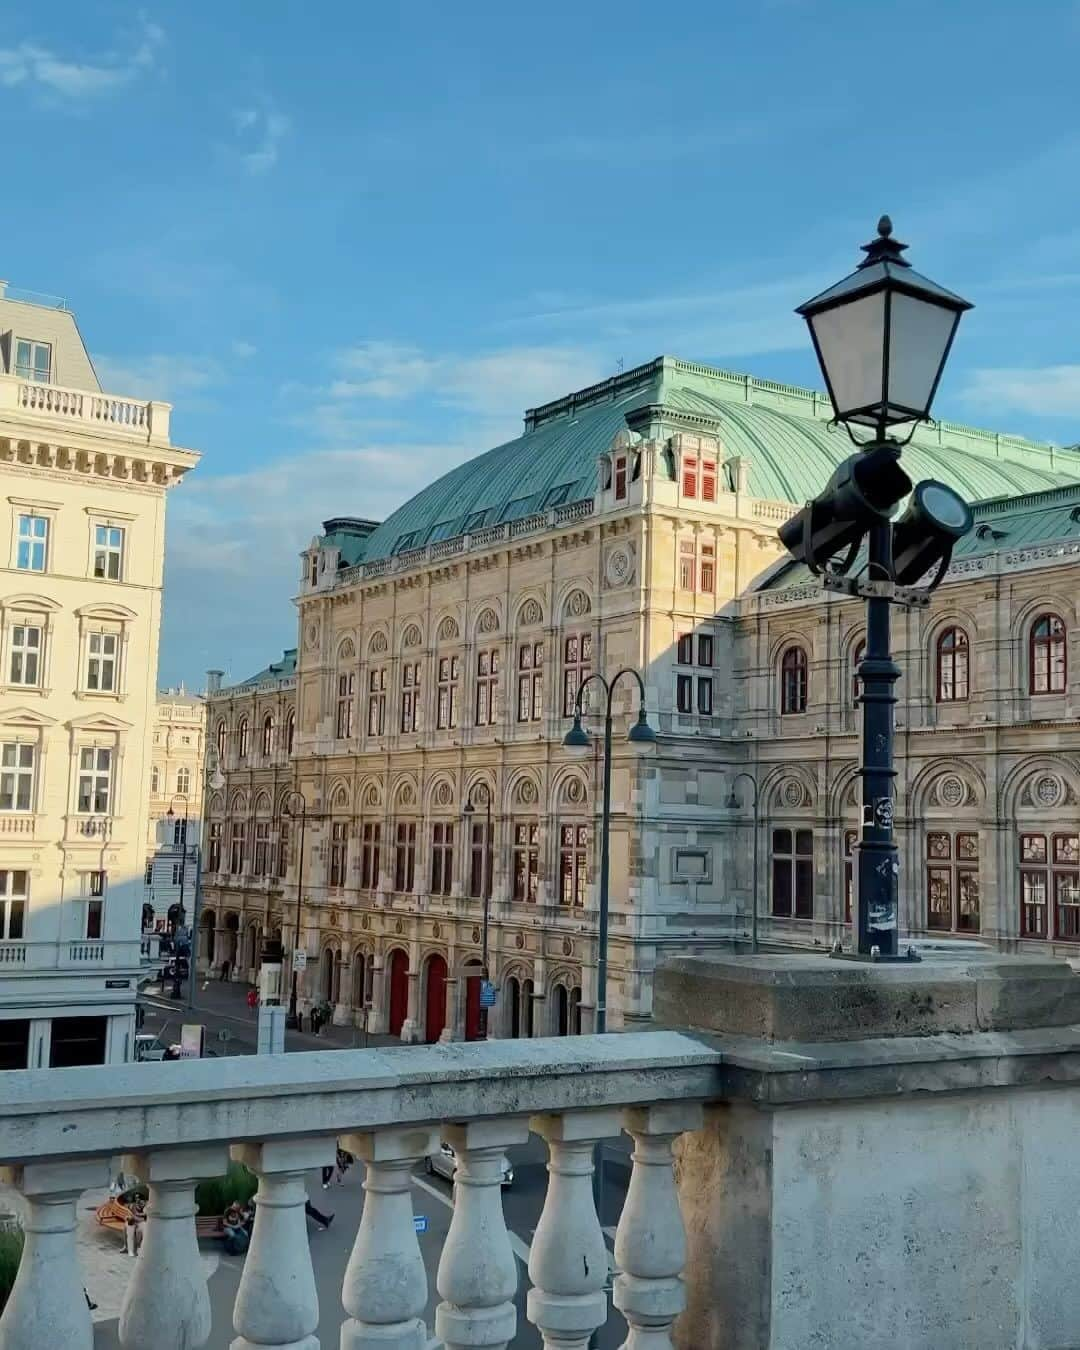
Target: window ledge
x=25 y=690
x=100 y=695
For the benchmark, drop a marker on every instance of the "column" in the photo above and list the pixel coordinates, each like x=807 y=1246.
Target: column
x=385 y=1288
x=166 y=1305
x=276 y=1304
x=46 y=1306
x=477 y=1274
x=568 y=1263
x=650 y=1242
x=453 y=1009
x=411 y=1031
x=379 y=1017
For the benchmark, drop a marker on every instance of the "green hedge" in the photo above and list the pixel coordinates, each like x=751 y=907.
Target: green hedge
x=216 y=1195
x=11 y=1246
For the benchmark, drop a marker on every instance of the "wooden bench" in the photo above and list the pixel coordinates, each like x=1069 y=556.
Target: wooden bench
x=116 y=1215
x=209 y=1226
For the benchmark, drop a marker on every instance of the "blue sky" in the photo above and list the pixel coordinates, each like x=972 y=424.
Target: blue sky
x=352 y=242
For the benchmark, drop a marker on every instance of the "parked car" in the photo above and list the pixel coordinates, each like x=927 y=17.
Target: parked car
x=444 y=1164
x=149 y=1048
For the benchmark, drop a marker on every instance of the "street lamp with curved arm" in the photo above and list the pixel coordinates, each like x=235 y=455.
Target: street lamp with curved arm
x=469 y=810
x=170 y=815
x=289 y=809
x=733 y=804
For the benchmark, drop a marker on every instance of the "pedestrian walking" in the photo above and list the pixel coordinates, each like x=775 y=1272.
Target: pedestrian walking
x=253 y=999
x=327 y=1175
x=226 y=966
x=323 y=1220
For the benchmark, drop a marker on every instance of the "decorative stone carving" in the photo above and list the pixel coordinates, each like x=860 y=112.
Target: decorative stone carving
x=311 y=635
x=448 y=630
x=577 y=605
x=574 y=791
x=488 y=622
x=399 y=926
x=406 y=795
x=365 y=922
x=333 y=918
x=792 y=793
x=378 y=644
x=436 y=929
x=443 y=794
x=619 y=569
x=412 y=636
x=568 y=947
x=347 y=651
x=475 y=934
x=519 y=942
x=1047 y=790
x=531 y=614
x=525 y=793
x=951 y=791
x=371 y=795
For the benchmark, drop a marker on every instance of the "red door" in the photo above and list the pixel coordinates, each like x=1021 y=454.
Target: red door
x=435 y=999
x=399 y=991
x=472 y=1007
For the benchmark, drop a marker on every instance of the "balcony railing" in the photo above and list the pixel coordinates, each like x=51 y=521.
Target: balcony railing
x=137 y=419
x=174 y=1124
x=83 y=952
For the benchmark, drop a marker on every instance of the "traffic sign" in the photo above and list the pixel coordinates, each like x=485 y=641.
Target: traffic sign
x=299 y=960
x=487 y=994
x=420 y=1223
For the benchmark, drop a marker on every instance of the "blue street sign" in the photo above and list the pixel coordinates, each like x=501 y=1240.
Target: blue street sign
x=487 y=994
x=419 y=1223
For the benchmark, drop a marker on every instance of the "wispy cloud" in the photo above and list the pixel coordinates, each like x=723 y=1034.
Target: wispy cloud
x=260 y=130
x=1046 y=391
x=158 y=375
x=73 y=79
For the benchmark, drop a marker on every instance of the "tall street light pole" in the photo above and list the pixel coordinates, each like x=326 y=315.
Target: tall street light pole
x=733 y=804
x=289 y=809
x=170 y=816
x=485 y=885
x=882 y=336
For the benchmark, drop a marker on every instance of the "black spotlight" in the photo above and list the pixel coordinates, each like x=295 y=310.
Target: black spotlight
x=862 y=492
x=925 y=535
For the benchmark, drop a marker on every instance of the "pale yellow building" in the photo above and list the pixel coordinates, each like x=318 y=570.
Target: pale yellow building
x=176 y=787
x=633 y=524
x=83 y=480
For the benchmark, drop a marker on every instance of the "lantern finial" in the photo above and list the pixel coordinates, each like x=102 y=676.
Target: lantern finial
x=884 y=248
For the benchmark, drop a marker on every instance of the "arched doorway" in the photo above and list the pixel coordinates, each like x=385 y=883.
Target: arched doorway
x=527 y=1008
x=434 y=998
x=328 y=972
x=359 y=980
x=472 y=1001
x=399 y=990
x=231 y=944
x=206 y=937
x=562 y=1010
x=575 y=1012
x=513 y=1004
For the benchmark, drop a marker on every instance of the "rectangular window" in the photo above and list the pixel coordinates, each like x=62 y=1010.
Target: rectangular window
x=446 y=703
x=526 y=861
x=213 y=860
x=148 y=879
x=704 y=649
x=684 y=693
x=704 y=695
x=32 y=550
x=573 y=864
x=177 y=872
x=530 y=682
x=405 y=856
x=410 y=695
x=1047 y=871
x=14 y=894
x=261 y=863
x=339 y=852
x=851 y=838
x=442 y=858
x=708 y=480
x=369 y=856
x=577 y=665
x=708 y=568
x=16 y=777
x=479 y=860
x=95 y=906
x=684 y=651
x=25 y=661
x=283 y=849
x=237 y=843
x=686 y=564
x=376 y=708
x=108 y=551
x=33 y=360
x=343 y=726
x=690 y=467
x=952 y=882
x=101 y=662
x=620 y=478
x=793 y=873
x=95 y=781
x=487 y=680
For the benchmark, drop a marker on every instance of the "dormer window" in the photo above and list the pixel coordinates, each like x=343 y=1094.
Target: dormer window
x=699 y=477
x=313 y=575
x=620 y=478
x=33 y=360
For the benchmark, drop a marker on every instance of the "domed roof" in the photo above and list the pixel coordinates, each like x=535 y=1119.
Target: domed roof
x=781 y=431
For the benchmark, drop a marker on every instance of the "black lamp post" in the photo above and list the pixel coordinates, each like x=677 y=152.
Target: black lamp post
x=733 y=804
x=291 y=1020
x=170 y=816
x=485 y=886
x=882 y=336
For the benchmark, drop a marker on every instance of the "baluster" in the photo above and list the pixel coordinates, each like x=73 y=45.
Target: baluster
x=46 y=1306
x=650 y=1242
x=568 y=1264
x=276 y=1303
x=385 y=1288
x=166 y=1304
x=477 y=1274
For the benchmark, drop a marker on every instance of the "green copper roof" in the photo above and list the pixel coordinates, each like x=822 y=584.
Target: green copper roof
x=780 y=430
x=276 y=670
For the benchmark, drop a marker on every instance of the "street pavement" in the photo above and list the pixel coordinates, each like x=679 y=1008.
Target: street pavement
x=432 y=1197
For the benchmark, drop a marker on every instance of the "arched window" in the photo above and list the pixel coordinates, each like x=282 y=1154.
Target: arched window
x=242 y=738
x=1047 y=661
x=155 y=780
x=794 y=681
x=183 y=780
x=222 y=736
x=290 y=732
x=268 y=736
x=857 y=655
x=952 y=666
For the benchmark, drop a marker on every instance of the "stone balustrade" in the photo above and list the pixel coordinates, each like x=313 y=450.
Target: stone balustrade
x=63 y=1131
x=138 y=419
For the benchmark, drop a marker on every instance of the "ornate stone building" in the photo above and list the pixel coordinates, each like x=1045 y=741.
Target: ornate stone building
x=439 y=653
x=177 y=772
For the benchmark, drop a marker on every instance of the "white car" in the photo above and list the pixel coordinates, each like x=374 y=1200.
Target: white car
x=148 y=1048
x=444 y=1163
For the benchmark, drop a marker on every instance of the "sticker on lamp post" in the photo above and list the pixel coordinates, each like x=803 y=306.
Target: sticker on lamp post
x=487 y=994
x=419 y=1223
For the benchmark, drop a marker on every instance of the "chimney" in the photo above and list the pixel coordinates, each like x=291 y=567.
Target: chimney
x=3 y=289
x=213 y=681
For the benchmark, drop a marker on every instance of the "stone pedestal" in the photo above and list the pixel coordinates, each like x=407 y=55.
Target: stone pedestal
x=889 y=1165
